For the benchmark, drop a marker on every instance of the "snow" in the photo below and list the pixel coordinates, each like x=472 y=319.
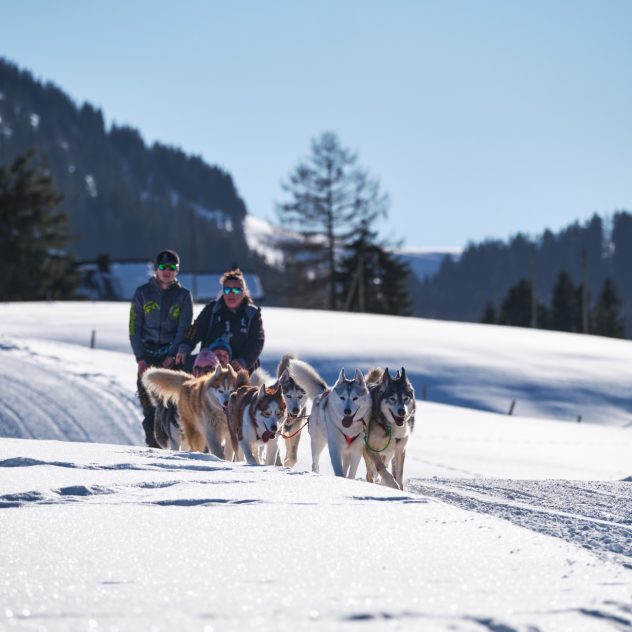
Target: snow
x=549 y=374
x=138 y=539
x=508 y=523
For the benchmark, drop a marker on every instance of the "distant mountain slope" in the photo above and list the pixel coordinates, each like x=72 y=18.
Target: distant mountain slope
x=124 y=198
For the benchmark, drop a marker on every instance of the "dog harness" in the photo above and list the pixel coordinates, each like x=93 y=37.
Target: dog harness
x=350 y=440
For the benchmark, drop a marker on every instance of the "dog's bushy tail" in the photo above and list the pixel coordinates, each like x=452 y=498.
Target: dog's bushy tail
x=307 y=378
x=165 y=383
x=374 y=375
x=260 y=377
x=284 y=365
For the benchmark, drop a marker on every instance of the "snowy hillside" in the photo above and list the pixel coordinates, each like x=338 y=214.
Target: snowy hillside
x=549 y=374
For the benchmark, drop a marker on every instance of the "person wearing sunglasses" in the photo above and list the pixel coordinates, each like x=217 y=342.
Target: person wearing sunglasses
x=160 y=316
x=231 y=318
x=205 y=362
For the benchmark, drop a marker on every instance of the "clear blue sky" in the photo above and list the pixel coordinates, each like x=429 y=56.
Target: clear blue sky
x=480 y=117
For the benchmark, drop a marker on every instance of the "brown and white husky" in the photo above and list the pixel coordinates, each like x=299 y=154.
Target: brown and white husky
x=255 y=417
x=202 y=403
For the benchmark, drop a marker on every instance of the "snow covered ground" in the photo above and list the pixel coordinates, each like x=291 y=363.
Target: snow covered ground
x=508 y=523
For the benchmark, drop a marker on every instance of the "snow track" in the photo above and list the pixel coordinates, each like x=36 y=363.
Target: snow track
x=596 y=515
x=42 y=398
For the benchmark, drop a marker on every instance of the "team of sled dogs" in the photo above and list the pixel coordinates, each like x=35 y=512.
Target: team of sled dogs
x=236 y=416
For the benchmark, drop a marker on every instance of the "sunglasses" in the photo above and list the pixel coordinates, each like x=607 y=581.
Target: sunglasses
x=234 y=290
x=167 y=266
x=203 y=370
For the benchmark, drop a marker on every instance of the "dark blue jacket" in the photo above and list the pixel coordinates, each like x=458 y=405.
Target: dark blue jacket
x=242 y=329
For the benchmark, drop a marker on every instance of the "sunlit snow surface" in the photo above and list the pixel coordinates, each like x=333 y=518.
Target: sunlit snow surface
x=114 y=538
x=507 y=523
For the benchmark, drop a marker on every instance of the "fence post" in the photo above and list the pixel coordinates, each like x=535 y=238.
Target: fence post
x=93 y=338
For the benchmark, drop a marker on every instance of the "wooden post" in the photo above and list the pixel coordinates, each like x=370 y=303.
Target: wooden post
x=360 y=283
x=534 y=301
x=579 y=419
x=93 y=339
x=194 y=290
x=511 y=409
x=584 y=292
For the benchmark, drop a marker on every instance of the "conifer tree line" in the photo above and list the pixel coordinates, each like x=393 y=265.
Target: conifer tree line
x=336 y=262
x=486 y=271
x=566 y=311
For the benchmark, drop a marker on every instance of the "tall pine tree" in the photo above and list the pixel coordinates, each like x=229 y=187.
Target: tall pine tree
x=34 y=237
x=606 y=316
x=332 y=202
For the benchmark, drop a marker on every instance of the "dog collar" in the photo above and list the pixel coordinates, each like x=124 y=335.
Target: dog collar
x=350 y=440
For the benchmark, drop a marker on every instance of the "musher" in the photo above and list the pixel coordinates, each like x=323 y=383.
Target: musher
x=160 y=316
x=231 y=318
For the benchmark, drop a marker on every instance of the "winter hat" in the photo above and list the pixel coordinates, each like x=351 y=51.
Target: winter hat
x=222 y=344
x=168 y=256
x=206 y=358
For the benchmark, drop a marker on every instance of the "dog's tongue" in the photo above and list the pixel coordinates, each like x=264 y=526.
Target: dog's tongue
x=267 y=435
x=225 y=409
x=347 y=420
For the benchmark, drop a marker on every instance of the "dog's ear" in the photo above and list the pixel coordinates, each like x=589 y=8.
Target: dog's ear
x=359 y=378
x=403 y=374
x=262 y=392
x=385 y=380
x=279 y=390
x=232 y=370
x=285 y=376
x=218 y=370
x=341 y=377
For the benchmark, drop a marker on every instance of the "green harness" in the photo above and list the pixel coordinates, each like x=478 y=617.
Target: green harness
x=390 y=432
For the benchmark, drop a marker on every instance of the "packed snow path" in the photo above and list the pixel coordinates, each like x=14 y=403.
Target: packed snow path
x=595 y=515
x=42 y=396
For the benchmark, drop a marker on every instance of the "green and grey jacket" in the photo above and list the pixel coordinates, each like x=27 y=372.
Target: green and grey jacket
x=159 y=319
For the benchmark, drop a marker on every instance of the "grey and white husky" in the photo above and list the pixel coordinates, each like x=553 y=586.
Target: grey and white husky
x=337 y=416
x=390 y=425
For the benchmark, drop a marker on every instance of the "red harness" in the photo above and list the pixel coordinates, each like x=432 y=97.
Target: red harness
x=350 y=439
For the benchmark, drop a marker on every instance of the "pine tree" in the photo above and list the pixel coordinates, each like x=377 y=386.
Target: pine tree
x=489 y=316
x=606 y=314
x=564 y=304
x=373 y=280
x=515 y=309
x=333 y=200
x=34 y=237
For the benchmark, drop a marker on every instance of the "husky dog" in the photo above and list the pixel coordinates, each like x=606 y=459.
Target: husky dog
x=167 y=429
x=337 y=416
x=296 y=400
x=391 y=422
x=254 y=418
x=201 y=403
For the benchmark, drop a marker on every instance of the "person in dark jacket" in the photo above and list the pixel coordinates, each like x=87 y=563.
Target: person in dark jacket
x=231 y=318
x=160 y=316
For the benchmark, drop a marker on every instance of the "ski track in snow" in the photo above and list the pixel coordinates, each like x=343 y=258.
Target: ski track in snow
x=596 y=515
x=41 y=399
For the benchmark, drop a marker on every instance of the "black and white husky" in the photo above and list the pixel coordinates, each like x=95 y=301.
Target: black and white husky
x=389 y=426
x=337 y=416
x=167 y=429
